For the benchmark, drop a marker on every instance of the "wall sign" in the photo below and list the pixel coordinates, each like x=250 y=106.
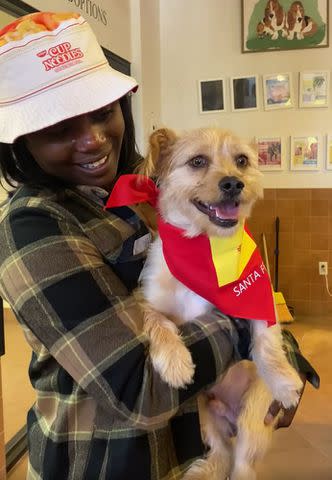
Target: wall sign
x=91 y=8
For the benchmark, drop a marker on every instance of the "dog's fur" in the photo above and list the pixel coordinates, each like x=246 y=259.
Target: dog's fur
x=172 y=161
x=298 y=24
x=274 y=21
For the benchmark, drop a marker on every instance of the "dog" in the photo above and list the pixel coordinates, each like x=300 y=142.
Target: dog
x=298 y=24
x=274 y=21
x=208 y=183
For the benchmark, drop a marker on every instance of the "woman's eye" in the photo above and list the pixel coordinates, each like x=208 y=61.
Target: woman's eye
x=57 y=131
x=241 y=161
x=198 y=162
x=102 y=115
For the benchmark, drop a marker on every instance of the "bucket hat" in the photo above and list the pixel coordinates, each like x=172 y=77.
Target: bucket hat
x=52 y=68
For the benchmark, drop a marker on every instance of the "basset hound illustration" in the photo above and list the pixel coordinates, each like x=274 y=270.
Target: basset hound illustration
x=298 y=24
x=274 y=21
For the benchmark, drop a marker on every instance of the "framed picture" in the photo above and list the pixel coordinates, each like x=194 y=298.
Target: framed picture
x=329 y=152
x=278 y=91
x=305 y=153
x=270 y=153
x=314 y=89
x=244 y=93
x=211 y=95
x=284 y=25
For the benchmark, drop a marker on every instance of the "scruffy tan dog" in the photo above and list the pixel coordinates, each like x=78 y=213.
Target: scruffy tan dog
x=209 y=181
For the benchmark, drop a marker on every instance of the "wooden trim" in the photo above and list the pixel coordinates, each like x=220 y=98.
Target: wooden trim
x=16 y=448
x=16 y=7
x=2 y=329
x=117 y=62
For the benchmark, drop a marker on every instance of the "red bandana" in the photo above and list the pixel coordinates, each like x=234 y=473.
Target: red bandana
x=228 y=272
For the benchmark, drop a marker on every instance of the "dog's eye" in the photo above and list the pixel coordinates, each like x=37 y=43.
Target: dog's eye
x=198 y=162
x=241 y=161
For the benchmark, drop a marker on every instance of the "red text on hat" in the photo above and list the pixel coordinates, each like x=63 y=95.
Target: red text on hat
x=60 y=56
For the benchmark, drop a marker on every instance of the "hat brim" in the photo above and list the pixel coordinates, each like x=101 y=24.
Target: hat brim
x=96 y=89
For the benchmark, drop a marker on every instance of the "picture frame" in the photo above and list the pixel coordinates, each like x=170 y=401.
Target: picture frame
x=278 y=91
x=271 y=153
x=211 y=94
x=267 y=28
x=306 y=152
x=244 y=93
x=328 y=164
x=314 y=90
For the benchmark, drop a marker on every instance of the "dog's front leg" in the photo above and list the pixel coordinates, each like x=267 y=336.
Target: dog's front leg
x=272 y=364
x=169 y=356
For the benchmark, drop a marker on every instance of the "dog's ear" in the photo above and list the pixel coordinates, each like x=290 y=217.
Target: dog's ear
x=160 y=143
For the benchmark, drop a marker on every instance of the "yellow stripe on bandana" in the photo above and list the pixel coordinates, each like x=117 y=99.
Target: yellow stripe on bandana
x=231 y=255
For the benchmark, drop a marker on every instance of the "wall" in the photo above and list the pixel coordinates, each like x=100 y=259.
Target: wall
x=145 y=36
x=111 y=25
x=201 y=39
x=305 y=239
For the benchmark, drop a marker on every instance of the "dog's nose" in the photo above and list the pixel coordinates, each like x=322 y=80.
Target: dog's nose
x=231 y=186
x=299 y=19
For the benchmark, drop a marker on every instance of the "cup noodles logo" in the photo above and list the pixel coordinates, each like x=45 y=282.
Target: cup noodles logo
x=61 y=56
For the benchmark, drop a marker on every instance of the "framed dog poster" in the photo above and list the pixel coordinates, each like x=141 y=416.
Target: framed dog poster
x=278 y=91
x=329 y=153
x=211 y=95
x=305 y=153
x=244 y=93
x=314 y=89
x=269 y=25
x=270 y=153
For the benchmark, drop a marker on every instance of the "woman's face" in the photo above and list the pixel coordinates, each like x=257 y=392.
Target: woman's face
x=83 y=150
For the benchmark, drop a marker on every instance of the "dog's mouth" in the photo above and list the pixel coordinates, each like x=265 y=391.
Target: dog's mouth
x=223 y=214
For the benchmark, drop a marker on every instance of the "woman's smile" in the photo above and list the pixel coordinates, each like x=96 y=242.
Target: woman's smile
x=96 y=165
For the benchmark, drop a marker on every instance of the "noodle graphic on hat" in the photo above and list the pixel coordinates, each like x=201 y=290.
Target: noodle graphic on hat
x=38 y=22
x=52 y=68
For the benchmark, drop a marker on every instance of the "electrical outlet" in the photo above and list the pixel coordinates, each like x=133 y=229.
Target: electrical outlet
x=322 y=267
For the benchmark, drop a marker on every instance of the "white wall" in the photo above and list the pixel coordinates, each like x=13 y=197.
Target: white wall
x=145 y=34
x=201 y=39
x=112 y=28
x=150 y=66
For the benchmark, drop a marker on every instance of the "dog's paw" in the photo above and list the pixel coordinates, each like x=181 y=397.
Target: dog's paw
x=174 y=365
x=286 y=388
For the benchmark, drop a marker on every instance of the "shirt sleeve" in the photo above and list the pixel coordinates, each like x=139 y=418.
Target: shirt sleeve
x=61 y=287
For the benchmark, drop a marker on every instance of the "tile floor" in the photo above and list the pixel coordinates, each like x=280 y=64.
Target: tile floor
x=303 y=451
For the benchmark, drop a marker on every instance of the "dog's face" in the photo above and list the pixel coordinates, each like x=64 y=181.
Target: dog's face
x=270 y=10
x=208 y=179
x=297 y=11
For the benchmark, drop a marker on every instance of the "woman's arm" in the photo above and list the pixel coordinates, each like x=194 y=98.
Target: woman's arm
x=60 y=287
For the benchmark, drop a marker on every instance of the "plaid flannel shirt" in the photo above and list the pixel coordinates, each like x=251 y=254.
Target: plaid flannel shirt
x=101 y=412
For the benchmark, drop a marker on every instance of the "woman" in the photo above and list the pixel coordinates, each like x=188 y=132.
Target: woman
x=68 y=268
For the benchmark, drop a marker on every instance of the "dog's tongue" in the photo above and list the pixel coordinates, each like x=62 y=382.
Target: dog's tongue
x=226 y=211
